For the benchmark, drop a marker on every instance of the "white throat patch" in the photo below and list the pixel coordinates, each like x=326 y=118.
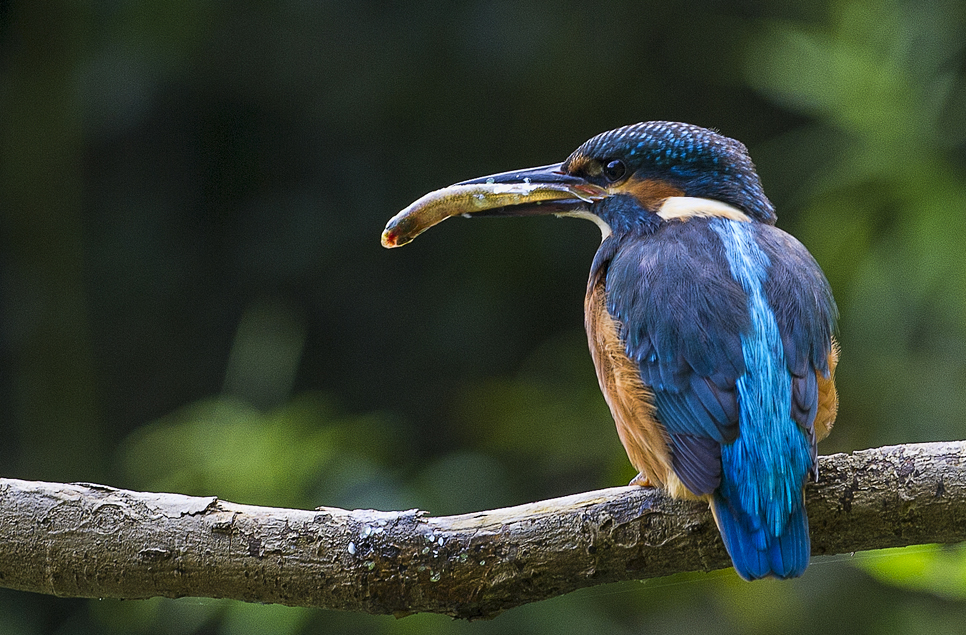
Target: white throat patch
x=685 y=207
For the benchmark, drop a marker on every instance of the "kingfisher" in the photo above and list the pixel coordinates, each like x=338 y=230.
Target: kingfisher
x=711 y=330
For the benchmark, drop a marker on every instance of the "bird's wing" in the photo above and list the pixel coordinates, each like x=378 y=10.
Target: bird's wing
x=805 y=311
x=682 y=315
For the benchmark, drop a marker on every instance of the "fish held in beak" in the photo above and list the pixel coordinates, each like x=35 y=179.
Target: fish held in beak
x=486 y=197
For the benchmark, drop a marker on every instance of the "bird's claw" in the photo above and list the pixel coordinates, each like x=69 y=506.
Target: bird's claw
x=641 y=480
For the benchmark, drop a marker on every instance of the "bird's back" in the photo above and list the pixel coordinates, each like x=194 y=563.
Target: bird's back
x=721 y=320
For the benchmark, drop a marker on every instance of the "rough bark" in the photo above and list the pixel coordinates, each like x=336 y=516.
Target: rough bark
x=82 y=540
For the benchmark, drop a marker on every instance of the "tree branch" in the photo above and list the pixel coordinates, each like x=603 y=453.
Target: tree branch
x=83 y=540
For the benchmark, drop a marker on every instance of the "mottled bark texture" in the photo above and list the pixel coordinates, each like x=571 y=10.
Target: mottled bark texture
x=83 y=540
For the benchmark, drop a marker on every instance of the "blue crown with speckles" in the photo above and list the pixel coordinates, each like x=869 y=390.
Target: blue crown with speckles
x=698 y=160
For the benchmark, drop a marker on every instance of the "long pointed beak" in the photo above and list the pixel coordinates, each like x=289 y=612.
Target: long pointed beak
x=543 y=190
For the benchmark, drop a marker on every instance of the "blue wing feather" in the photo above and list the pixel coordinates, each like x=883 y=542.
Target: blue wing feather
x=801 y=298
x=805 y=400
x=697 y=462
x=719 y=405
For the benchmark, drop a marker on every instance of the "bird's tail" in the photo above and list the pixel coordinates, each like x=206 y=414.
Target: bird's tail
x=757 y=553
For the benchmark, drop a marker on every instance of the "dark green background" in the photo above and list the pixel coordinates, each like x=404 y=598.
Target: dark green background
x=193 y=296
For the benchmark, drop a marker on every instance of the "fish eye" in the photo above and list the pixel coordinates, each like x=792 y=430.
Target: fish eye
x=614 y=170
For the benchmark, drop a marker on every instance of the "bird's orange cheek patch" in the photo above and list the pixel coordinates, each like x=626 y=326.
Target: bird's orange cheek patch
x=648 y=192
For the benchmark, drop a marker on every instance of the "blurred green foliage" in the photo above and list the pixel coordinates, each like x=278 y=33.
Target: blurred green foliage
x=883 y=87
x=193 y=298
x=937 y=569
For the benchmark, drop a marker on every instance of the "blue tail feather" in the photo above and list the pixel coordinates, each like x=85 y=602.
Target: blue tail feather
x=789 y=553
x=754 y=551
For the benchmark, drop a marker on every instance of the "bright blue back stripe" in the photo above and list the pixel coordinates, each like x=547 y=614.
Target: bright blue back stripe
x=768 y=462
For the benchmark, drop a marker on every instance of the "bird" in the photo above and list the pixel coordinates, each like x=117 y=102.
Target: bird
x=712 y=331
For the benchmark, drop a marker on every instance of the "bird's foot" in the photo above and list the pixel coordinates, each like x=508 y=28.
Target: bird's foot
x=641 y=480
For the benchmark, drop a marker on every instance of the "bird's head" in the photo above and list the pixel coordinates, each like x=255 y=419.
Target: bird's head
x=628 y=179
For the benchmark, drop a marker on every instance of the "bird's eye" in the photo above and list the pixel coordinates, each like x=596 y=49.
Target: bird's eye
x=614 y=170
